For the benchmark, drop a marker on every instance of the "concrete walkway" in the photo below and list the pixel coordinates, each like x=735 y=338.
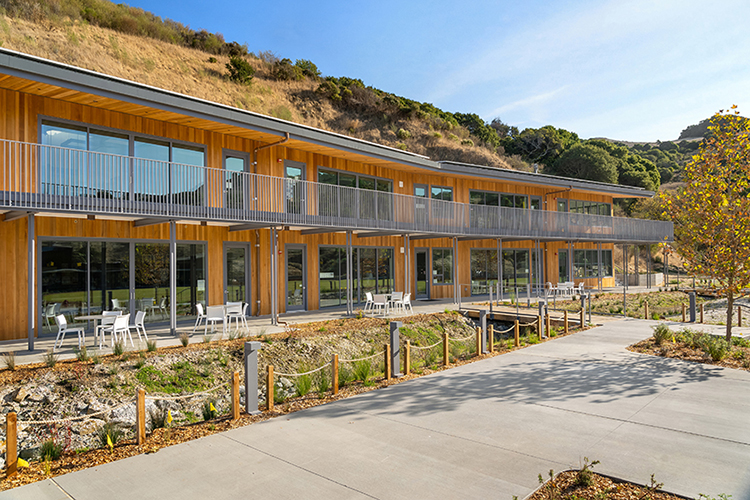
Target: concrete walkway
x=483 y=430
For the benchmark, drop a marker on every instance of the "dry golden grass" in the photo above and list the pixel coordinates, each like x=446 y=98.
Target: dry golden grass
x=189 y=72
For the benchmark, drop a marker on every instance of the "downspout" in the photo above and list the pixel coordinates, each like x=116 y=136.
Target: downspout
x=257 y=233
x=556 y=192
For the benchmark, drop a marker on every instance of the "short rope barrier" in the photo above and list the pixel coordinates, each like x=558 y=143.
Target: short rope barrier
x=533 y=323
x=506 y=331
x=301 y=374
x=427 y=347
x=186 y=396
x=72 y=419
x=361 y=359
x=464 y=339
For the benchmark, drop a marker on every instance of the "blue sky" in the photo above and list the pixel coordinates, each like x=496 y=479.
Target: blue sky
x=628 y=69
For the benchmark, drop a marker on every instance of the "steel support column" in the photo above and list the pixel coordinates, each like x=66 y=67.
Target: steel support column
x=407 y=264
x=349 y=280
x=500 y=270
x=599 y=258
x=456 y=284
x=274 y=271
x=31 y=240
x=173 y=277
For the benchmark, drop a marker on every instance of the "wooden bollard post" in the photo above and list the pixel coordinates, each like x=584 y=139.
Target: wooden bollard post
x=140 y=417
x=387 y=353
x=11 y=444
x=335 y=374
x=683 y=312
x=583 y=318
x=235 y=395
x=445 y=350
x=701 y=313
x=479 y=341
x=739 y=316
x=269 y=388
x=491 y=338
x=547 y=328
x=645 y=310
x=565 y=322
x=407 y=357
x=517 y=334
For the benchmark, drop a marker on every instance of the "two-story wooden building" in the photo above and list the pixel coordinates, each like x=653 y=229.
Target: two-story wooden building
x=115 y=195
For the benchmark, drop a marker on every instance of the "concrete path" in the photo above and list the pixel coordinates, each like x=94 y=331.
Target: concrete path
x=483 y=430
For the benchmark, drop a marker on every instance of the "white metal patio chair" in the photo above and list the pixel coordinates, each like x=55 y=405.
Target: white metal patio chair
x=380 y=302
x=368 y=303
x=201 y=315
x=406 y=303
x=215 y=314
x=63 y=328
x=396 y=301
x=161 y=308
x=138 y=324
x=50 y=311
x=237 y=311
x=116 y=306
x=106 y=323
x=121 y=326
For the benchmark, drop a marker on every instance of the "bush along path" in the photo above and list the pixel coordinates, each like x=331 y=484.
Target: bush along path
x=82 y=413
x=690 y=344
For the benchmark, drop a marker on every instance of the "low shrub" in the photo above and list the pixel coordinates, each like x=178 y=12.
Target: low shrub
x=184 y=339
x=50 y=358
x=716 y=347
x=284 y=70
x=362 y=370
x=9 y=358
x=111 y=429
x=346 y=376
x=661 y=333
x=209 y=409
x=82 y=354
x=302 y=385
x=51 y=450
x=151 y=345
x=240 y=70
x=118 y=348
x=585 y=477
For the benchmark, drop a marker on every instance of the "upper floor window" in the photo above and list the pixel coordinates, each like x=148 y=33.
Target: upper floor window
x=76 y=172
x=590 y=207
x=514 y=201
x=374 y=199
x=441 y=193
x=484 y=198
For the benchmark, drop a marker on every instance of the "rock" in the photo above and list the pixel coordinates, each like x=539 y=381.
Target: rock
x=124 y=416
x=29 y=453
x=20 y=395
x=87 y=427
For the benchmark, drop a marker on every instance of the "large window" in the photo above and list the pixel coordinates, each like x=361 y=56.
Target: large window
x=442 y=266
x=112 y=173
x=441 y=194
x=88 y=277
x=590 y=207
x=373 y=272
x=375 y=198
x=586 y=263
x=514 y=201
x=481 y=206
x=483 y=270
x=516 y=269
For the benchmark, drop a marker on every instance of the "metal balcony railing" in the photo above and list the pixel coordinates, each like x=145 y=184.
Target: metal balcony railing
x=49 y=178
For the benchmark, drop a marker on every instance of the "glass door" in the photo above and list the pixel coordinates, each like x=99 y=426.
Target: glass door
x=294 y=186
x=296 y=285
x=236 y=273
x=236 y=180
x=152 y=280
x=422 y=276
x=562 y=266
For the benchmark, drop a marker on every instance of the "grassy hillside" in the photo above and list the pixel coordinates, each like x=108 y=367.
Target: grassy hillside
x=203 y=73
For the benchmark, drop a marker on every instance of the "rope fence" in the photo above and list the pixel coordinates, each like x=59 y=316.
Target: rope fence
x=308 y=373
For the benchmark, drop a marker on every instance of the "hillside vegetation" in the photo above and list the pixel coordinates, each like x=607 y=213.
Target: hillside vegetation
x=130 y=43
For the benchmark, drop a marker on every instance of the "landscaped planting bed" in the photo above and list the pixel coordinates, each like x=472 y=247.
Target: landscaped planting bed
x=99 y=391
x=691 y=344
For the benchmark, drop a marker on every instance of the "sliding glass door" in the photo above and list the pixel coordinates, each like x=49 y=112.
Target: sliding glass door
x=88 y=277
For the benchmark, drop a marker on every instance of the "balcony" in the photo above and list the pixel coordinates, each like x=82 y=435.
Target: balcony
x=53 y=179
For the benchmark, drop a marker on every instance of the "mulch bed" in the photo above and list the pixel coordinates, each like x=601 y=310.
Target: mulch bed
x=564 y=487
x=680 y=350
x=161 y=438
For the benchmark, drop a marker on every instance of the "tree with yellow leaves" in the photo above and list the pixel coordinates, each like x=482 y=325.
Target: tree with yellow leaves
x=712 y=212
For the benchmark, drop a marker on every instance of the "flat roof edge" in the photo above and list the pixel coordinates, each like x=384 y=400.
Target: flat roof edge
x=85 y=80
